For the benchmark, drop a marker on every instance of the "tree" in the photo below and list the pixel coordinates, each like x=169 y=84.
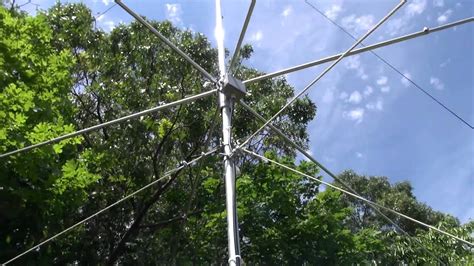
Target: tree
x=424 y=244
x=34 y=106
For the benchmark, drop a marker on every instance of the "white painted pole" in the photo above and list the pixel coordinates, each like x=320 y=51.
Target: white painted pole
x=226 y=104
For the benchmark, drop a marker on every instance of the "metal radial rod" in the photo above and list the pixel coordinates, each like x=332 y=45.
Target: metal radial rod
x=359 y=197
x=166 y=41
x=402 y=2
x=360 y=50
x=241 y=37
x=226 y=105
x=331 y=174
x=109 y=123
x=165 y=175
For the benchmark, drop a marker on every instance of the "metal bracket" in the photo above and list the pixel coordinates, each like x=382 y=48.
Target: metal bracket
x=233 y=87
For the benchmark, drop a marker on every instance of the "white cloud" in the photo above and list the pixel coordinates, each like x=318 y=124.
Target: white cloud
x=101 y=17
x=416 y=7
x=355 y=97
x=445 y=63
x=356 y=114
x=368 y=91
x=343 y=95
x=444 y=17
x=405 y=81
x=378 y=105
x=385 y=89
x=257 y=36
x=438 y=3
x=358 y=24
x=333 y=12
x=287 y=11
x=359 y=155
x=106 y=2
x=396 y=25
x=353 y=62
x=109 y=24
x=173 y=13
x=382 y=80
x=437 y=83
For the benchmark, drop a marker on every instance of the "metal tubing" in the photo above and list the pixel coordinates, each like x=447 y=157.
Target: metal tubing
x=360 y=50
x=226 y=106
x=241 y=37
x=112 y=122
x=326 y=71
x=166 y=41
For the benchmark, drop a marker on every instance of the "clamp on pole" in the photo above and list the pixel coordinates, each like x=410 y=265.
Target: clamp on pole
x=236 y=260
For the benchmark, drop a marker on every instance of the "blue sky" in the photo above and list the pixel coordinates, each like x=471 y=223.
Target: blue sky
x=369 y=119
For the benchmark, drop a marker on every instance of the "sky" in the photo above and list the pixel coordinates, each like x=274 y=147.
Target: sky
x=369 y=118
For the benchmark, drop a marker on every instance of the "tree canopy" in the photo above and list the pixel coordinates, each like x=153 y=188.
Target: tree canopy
x=59 y=73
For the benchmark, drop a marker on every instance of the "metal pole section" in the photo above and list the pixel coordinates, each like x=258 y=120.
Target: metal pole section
x=109 y=123
x=423 y=32
x=226 y=105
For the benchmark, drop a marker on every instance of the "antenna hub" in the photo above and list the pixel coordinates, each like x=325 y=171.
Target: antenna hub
x=233 y=87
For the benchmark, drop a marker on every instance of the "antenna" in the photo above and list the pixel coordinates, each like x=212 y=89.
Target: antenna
x=231 y=90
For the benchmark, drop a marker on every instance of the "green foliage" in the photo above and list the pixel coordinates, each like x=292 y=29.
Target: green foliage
x=35 y=79
x=75 y=175
x=422 y=246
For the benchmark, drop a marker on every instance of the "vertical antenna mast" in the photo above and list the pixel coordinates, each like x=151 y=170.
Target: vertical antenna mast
x=226 y=99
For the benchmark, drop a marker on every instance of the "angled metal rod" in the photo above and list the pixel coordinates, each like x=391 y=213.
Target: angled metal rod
x=166 y=41
x=361 y=50
x=393 y=67
x=165 y=175
x=241 y=37
x=359 y=197
x=109 y=123
x=331 y=174
x=326 y=70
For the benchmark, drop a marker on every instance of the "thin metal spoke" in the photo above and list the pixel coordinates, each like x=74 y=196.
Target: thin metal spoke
x=165 y=175
x=326 y=70
x=393 y=68
x=241 y=37
x=109 y=123
x=423 y=32
x=287 y=140
x=166 y=41
x=359 y=197
x=98 y=15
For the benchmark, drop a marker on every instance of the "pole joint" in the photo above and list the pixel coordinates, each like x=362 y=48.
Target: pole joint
x=235 y=260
